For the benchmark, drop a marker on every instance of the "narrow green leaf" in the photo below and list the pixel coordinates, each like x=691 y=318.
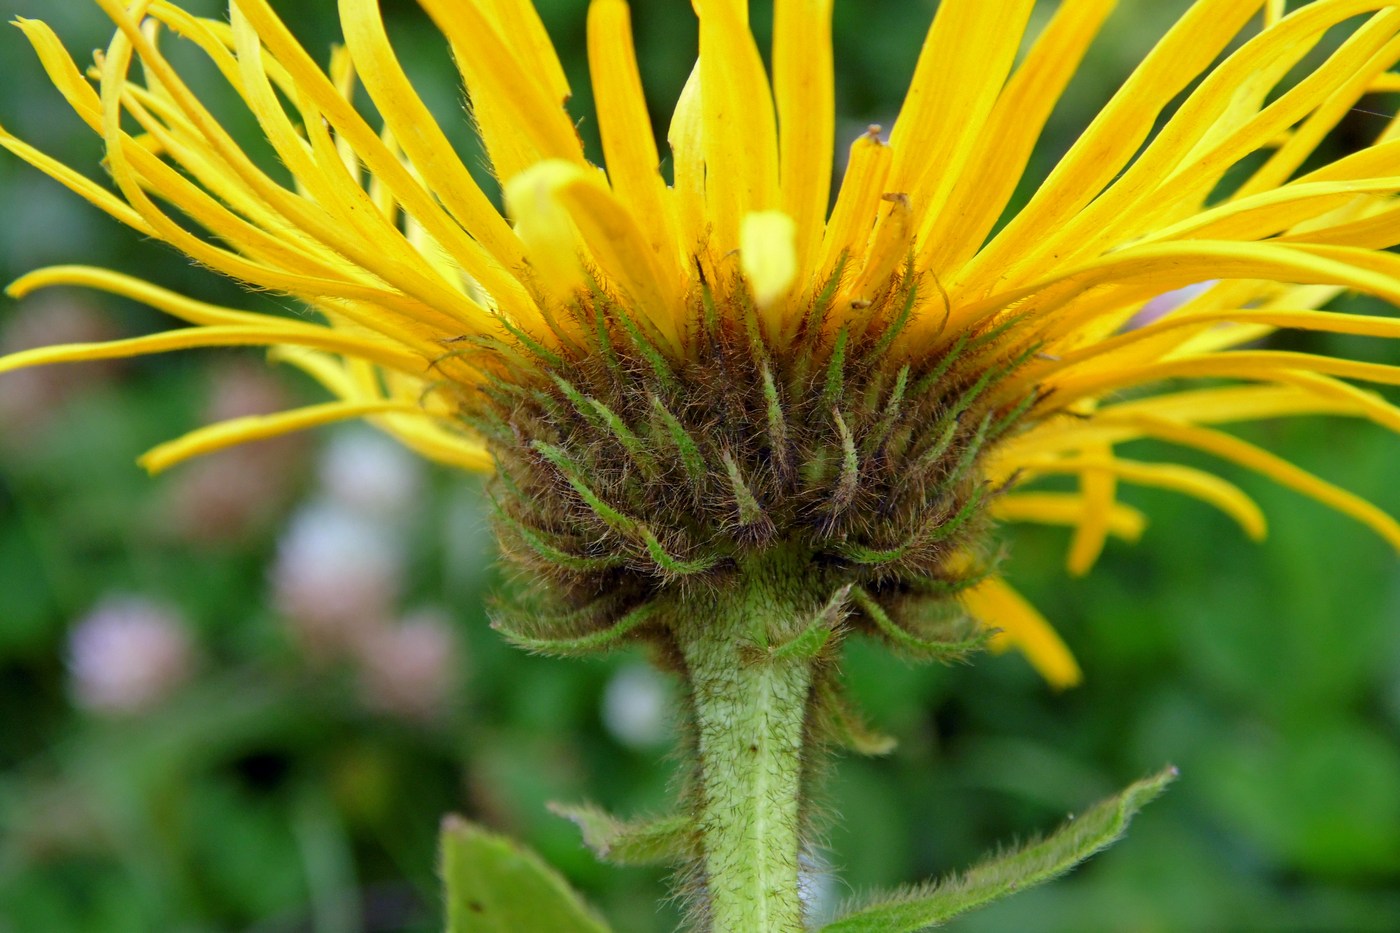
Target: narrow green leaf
x=493 y=885
x=932 y=904
x=631 y=842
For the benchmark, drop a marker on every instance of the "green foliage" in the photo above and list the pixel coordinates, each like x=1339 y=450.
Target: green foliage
x=493 y=885
x=933 y=904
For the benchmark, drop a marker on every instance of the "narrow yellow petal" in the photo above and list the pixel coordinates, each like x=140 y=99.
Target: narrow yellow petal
x=79 y=184
x=950 y=236
x=236 y=431
x=966 y=56
x=629 y=146
x=417 y=131
x=805 y=92
x=1114 y=137
x=520 y=119
x=62 y=71
x=518 y=22
x=561 y=210
x=186 y=338
x=686 y=136
x=1059 y=508
x=1140 y=272
x=476 y=221
x=891 y=243
x=1198 y=484
x=857 y=203
x=996 y=605
x=1325 y=321
x=739 y=139
x=544 y=226
x=1262 y=365
x=1290 y=156
x=1098 y=490
x=1276 y=468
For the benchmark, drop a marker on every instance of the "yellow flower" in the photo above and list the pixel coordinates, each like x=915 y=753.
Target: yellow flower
x=406 y=260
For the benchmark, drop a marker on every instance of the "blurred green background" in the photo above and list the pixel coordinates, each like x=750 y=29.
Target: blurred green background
x=260 y=762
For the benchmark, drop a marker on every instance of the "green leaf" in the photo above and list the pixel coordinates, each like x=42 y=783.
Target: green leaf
x=934 y=903
x=636 y=842
x=493 y=885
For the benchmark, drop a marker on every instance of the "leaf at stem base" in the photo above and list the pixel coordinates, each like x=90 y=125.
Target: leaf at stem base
x=931 y=904
x=494 y=885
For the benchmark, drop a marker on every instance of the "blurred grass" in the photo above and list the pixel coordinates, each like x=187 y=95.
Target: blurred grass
x=266 y=797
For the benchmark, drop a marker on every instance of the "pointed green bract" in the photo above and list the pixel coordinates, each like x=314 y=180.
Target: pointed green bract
x=933 y=903
x=493 y=885
x=632 y=842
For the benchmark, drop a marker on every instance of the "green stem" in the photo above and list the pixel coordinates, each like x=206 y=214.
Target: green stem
x=750 y=708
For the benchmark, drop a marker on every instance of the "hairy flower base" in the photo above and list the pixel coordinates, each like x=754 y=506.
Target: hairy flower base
x=626 y=474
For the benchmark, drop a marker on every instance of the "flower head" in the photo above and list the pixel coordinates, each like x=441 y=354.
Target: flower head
x=678 y=370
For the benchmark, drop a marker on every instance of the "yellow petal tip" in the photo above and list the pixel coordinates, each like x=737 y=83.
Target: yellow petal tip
x=768 y=254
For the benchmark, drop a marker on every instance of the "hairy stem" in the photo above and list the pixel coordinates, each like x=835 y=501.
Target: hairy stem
x=750 y=707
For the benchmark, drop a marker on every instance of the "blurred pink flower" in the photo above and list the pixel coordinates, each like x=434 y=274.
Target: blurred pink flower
x=411 y=669
x=29 y=397
x=128 y=654
x=228 y=495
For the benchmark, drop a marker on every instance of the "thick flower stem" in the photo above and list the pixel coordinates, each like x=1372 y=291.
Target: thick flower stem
x=751 y=702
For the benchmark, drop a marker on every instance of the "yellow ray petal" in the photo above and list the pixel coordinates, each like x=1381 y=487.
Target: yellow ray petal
x=950 y=236
x=739 y=131
x=965 y=59
x=559 y=208
x=1198 y=484
x=1324 y=321
x=1098 y=489
x=186 y=338
x=686 y=137
x=477 y=222
x=629 y=147
x=521 y=120
x=416 y=130
x=1113 y=137
x=1183 y=162
x=804 y=88
x=1262 y=365
x=996 y=605
x=236 y=431
x=1276 y=468
x=857 y=203
x=1059 y=508
x=80 y=185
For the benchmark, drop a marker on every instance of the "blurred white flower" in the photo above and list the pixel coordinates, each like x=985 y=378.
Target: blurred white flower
x=373 y=474
x=637 y=707
x=337 y=574
x=127 y=655
x=413 y=668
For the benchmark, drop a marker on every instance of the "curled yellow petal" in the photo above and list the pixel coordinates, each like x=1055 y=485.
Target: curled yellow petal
x=215 y=437
x=996 y=605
